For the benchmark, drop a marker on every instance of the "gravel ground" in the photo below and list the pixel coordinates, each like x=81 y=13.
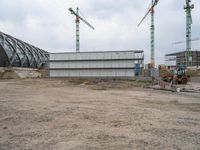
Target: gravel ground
x=59 y=114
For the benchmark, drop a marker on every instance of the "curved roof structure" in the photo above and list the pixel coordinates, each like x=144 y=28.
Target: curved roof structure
x=16 y=53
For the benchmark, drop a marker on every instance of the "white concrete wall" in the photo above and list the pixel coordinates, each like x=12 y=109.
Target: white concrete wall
x=93 y=55
x=93 y=73
x=93 y=64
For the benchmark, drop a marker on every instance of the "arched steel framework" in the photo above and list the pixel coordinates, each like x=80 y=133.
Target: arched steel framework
x=16 y=53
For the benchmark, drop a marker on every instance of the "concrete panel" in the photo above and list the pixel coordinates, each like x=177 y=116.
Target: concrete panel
x=116 y=55
x=92 y=73
x=93 y=55
x=94 y=64
x=108 y=56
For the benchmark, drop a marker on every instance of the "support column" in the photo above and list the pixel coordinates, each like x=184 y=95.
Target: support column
x=77 y=33
x=152 y=39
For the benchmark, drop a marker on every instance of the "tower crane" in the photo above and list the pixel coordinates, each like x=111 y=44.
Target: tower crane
x=78 y=18
x=188 y=8
x=151 y=10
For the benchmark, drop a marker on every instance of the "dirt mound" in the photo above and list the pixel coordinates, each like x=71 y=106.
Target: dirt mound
x=193 y=72
x=8 y=73
x=16 y=73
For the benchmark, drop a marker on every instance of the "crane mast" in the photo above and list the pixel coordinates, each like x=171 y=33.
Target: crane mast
x=188 y=8
x=77 y=31
x=152 y=37
x=152 y=28
x=78 y=18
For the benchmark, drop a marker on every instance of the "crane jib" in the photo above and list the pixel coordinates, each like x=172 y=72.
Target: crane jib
x=78 y=18
x=151 y=9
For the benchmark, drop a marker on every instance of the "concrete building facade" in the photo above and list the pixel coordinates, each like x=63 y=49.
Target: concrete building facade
x=97 y=64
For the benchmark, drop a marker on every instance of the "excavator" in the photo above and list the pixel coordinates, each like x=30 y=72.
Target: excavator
x=177 y=76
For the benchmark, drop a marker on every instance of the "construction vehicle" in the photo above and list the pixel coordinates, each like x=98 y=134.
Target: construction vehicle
x=177 y=76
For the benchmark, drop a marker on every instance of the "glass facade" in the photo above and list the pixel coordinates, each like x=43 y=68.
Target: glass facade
x=16 y=53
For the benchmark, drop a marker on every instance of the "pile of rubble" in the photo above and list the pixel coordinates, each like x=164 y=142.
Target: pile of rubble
x=16 y=73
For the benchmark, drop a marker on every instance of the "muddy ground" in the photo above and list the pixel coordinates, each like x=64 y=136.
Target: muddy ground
x=60 y=114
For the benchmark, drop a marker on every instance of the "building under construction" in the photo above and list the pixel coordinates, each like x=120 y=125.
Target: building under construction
x=179 y=59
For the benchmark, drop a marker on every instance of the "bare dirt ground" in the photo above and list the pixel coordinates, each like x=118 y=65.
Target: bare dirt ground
x=60 y=114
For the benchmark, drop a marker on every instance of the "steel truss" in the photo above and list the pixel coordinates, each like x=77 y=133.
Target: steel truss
x=21 y=54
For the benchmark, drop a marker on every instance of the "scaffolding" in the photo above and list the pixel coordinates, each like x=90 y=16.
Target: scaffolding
x=181 y=58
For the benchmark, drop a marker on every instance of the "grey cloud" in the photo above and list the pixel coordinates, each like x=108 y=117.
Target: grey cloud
x=49 y=25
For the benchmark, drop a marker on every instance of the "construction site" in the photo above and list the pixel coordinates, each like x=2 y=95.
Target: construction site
x=100 y=100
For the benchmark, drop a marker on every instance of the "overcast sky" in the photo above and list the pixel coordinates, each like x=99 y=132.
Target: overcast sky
x=48 y=24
